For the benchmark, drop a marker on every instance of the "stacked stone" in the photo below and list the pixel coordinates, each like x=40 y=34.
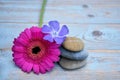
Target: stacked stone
x=73 y=55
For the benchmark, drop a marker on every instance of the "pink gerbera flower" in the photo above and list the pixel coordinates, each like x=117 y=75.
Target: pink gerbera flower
x=32 y=52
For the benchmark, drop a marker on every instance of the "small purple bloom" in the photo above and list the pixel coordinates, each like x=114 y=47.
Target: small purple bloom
x=55 y=32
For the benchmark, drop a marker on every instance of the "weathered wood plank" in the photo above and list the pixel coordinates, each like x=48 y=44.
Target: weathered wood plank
x=83 y=13
x=95 y=36
x=96 y=66
x=93 y=12
x=101 y=66
x=67 y=2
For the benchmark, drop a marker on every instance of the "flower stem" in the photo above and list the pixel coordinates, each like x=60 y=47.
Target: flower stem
x=42 y=12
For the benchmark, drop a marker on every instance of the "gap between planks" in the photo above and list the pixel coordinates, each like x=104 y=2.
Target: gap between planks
x=89 y=50
x=106 y=37
x=80 y=14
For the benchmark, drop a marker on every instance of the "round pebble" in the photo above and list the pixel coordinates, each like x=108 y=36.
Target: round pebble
x=81 y=55
x=71 y=64
x=73 y=44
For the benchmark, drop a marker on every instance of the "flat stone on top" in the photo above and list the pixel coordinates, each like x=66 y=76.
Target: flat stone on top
x=73 y=44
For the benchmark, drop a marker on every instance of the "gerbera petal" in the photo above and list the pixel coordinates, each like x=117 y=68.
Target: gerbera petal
x=54 y=58
x=28 y=33
x=45 y=66
x=48 y=37
x=22 y=41
x=49 y=63
x=36 y=68
x=54 y=52
x=64 y=30
x=17 y=55
x=16 y=42
x=18 y=49
x=53 y=45
x=25 y=66
x=42 y=70
x=29 y=68
x=24 y=36
x=35 y=31
x=59 y=40
x=19 y=62
x=55 y=25
x=46 y=29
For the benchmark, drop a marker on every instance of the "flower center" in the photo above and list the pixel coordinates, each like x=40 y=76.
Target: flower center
x=36 y=50
x=54 y=34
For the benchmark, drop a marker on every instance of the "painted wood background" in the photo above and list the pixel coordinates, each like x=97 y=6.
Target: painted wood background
x=96 y=22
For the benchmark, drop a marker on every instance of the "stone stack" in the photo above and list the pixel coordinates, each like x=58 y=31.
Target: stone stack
x=73 y=55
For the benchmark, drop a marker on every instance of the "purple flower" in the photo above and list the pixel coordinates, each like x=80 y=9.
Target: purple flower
x=55 y=32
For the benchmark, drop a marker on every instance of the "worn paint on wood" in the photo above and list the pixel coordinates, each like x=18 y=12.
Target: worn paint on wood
x=97 y=23
x=96 y=11
x=99 y=66
x=102 y=35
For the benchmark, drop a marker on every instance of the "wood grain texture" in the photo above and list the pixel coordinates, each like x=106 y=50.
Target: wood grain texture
x=96 y=22
x=100 y=66
x=25 y=12
x=102 y=35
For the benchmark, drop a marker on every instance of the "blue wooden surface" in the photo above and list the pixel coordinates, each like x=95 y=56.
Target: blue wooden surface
x=97 y=23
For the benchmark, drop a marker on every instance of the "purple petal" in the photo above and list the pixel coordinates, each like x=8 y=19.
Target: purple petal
x=48 y=37
x=64 y=30
x=59 y=40
x=46 y=29
x=54 y=25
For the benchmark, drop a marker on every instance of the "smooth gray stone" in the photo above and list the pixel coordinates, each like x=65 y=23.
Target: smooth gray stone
x=71 y=64
x=81 y=55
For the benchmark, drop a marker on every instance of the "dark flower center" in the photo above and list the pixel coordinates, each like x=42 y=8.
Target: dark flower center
x=36 y=50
